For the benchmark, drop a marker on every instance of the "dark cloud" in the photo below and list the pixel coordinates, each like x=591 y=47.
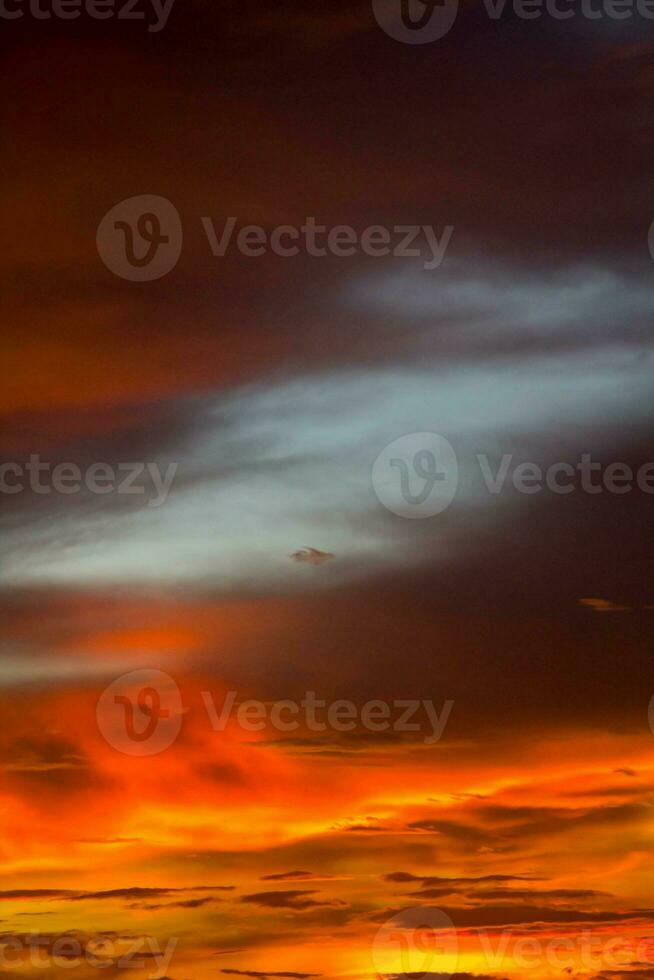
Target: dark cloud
x=190 y=903
x=271 y=973
x=564 y=893
x=287 y=876
x=25 y=893
x=452 y=829
x=444 y=976
x=135 y=892
x=290 y=899
x=426 y=880
x=519 y=914
x=312 y=556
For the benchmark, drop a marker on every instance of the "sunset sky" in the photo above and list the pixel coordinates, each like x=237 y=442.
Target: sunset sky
x=516 y=844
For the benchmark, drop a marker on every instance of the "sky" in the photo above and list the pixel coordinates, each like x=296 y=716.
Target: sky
x=337 y=660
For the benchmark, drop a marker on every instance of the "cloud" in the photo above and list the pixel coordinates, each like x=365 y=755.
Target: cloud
x=508 y=827
x=290 y=899
x=480 y=302
x=604 y=605
x=287 y=876
x=271 y=973
x=190 y=903
x=311 y=556
x=635 y=971
x=520 y=914
x=255 y=472
x=444 y=976
x=564 y=893
x=35 y=893
x=135 y=892
x=453 y=829
x=426 y=880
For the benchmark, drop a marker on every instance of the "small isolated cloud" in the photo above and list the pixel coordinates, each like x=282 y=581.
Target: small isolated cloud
x=36 y=893
x=295 y=899
x=136 y=893
x=312 y=556
x=267 y=973
x=191 y=903
x=604 y=605
x=288 y=876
